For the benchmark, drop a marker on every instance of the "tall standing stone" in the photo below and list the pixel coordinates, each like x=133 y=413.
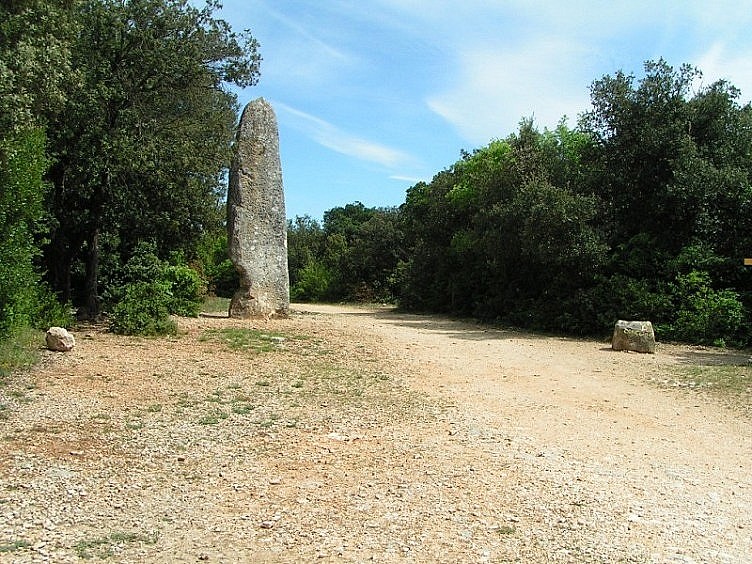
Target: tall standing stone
x=256 y=222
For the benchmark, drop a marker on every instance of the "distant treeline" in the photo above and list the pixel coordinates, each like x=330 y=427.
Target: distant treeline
x=643 y=211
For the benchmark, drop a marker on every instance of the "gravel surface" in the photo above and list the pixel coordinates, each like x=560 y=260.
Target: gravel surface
x=358 y=435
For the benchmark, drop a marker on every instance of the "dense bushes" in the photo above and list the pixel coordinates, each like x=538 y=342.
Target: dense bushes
x=641 y=212
x=151 y=290
x=352 y=257
x=24 y=300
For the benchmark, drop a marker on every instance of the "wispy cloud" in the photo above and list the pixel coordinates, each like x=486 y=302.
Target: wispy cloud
x=309 y=37
x=496 y=88
x=410 y=179
x=717 y=63
x=334 y=138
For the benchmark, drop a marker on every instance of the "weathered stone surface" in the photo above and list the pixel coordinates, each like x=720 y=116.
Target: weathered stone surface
x=635 y=336
x=59 y=340
x=256 y=222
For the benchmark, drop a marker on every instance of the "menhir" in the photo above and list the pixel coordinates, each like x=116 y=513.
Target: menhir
x=256 y=222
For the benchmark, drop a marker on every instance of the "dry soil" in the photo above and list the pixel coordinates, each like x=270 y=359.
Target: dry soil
x=360 y=434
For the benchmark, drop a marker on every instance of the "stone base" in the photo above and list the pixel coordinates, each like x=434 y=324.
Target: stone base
x=635 y=336
x=245 y=305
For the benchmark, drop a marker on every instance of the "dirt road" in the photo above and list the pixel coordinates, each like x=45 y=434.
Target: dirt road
x=375 y=437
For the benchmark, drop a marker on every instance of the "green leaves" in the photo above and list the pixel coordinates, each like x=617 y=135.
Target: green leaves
x=142 y=143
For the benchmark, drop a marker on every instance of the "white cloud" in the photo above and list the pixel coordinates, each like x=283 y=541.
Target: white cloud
x=410 y=179
x=332 y=137
x=495 y=88
x=718 y=64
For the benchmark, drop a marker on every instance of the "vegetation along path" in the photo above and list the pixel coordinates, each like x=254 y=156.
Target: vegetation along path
x=353 y=434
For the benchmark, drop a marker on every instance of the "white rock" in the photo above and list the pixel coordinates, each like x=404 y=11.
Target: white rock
x=59 y=340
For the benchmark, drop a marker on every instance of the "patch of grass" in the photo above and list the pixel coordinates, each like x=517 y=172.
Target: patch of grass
x=14 y=546
x=215 y=397
x=104 y=547
x=154 y=408
x=240 y=339
x=214 y=304
x=731 y=383
x=263 y=383
x=19 y=396
x=270 y=422
x=19 y=351
x=213 y=418
x=242 y=408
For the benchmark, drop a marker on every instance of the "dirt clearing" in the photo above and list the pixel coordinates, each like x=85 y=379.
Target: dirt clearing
x=354 y=434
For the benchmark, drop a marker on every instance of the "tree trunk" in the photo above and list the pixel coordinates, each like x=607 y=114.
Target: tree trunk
x=91 y=284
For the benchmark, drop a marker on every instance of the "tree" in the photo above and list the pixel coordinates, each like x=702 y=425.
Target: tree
x=142 y=142
x=34 y=67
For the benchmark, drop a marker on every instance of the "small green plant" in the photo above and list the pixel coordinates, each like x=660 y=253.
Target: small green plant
x=240 y=339
x=242 y=408
x=104 y=547
x=14 y=546
x=215 y=397
x=186 y=290
x=213 y=418
x=134 y=425
x=19 y=351
x=154 y=408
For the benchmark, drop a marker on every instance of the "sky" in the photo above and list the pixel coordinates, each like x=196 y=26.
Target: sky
x=373 y=96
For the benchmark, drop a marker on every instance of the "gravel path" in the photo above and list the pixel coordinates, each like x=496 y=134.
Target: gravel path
x=350 y=434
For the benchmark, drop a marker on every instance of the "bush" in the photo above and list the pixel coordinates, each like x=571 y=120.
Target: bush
x=314 y=281
x=22 y=193
x=151 y=291
x=144 y=310
x=224 y=279
x=705 y=315
x=187 y=290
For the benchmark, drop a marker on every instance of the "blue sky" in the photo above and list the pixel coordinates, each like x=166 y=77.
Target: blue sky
x=372 y=96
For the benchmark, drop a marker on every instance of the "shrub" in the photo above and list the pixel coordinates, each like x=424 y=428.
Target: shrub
x=187 y=290
x=144 y=310
x=705 y=315
x=223 y=278
x=152 y=290
x=22 y=214
x=313 y=284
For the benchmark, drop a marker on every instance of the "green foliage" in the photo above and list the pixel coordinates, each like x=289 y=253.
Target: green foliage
x=35 y=65
x=705 y=315
x=312 y=284
x=150 y=290
x=143 y=310
x=187 y=290
x=19 y=350
x=222 y=277
x=141 y=153
x=22 y=296
x=643 y=212
x=351 y=258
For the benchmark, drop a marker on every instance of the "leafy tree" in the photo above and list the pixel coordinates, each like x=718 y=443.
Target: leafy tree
x=672 y=168
x=142 y=141
x=34 y=68
x=35 y=61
